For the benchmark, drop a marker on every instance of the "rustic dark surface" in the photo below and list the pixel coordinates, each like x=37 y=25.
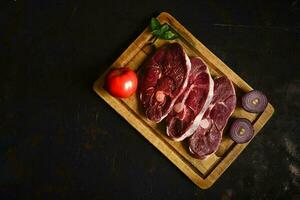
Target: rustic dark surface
x=59 y=140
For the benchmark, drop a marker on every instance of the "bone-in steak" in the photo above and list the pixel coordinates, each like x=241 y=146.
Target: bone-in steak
x=190 y=107
x=165 y=78
x=207 y=138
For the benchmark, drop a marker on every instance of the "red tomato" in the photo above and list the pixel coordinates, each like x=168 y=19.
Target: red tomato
x=121 y=82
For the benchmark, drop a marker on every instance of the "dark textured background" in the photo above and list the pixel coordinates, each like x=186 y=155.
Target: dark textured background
x=58 y=140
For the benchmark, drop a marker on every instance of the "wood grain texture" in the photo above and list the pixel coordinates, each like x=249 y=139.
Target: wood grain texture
x=202 y=172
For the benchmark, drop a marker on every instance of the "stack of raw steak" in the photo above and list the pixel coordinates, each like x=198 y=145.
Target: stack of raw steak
x=181 y=90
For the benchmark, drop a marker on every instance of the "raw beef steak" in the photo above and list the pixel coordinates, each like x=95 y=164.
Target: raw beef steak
x=207 y=138
x=165 y=78
x=190 y=107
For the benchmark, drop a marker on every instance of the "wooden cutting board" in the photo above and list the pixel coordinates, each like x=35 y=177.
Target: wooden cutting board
x=202 y=172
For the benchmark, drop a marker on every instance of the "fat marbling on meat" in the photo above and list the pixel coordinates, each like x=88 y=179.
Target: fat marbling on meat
x=207 y=138
x=165 y=78
x=190 y=107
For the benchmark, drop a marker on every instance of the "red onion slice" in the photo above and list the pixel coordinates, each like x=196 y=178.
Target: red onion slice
x=241 y=131
x=254 y=101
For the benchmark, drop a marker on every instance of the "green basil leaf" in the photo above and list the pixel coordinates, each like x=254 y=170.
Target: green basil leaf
x=155 y=25
x=156 y=33
x=169 y=35
x=164 y=28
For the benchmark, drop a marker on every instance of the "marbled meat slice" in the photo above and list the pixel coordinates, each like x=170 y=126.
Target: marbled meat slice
x=190 y=107
x=207 y=138
x=165 y=78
